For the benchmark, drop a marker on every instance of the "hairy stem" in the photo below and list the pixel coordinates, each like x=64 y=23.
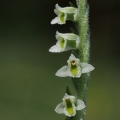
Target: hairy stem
x=81 y=84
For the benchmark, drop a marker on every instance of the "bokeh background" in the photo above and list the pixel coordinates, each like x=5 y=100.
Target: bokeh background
x=29 y=90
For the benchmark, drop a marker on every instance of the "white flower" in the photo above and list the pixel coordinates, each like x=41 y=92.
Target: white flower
x=74 y=68
x=62 y=14
x=65 y=42
x=69 y=105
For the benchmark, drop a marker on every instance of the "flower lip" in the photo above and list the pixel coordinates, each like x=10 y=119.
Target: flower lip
x=61 y=43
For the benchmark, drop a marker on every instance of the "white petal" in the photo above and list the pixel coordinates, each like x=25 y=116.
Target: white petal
x=80 y=105
x=67 y=9
x=55 y=49
x=86 y=67
x=66 y=96
x=60 y=108
x=55 y=20
x=72 y=98
x=68 y=36
x=57 y=12
x=58 y=37
x=72 y=57
x=57 y=6
x=62 y=72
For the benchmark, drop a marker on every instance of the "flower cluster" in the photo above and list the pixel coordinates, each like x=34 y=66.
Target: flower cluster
x=74 y=68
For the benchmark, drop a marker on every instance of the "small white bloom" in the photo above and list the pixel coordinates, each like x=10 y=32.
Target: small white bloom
x=74 y=68
x=62 y=14
x=65 y=42
x=69 y=105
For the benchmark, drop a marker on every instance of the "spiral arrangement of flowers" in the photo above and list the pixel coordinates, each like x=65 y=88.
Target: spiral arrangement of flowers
x=78 y=67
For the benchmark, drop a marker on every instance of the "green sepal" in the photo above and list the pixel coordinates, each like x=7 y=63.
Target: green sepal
x=68 y=91
x=71 y=4
x=73 y=30
x=77 y=27
x=75 y=52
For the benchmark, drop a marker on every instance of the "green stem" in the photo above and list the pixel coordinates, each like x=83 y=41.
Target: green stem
x=81 y=84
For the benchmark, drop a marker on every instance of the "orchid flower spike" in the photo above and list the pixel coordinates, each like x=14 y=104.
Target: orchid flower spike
x=62 y=14
x=69 y=105
x=65 y=42
x=74 y=68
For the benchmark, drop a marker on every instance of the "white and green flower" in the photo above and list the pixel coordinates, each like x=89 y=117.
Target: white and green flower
x=69 y=105
x=62 y=14
x=65 y=42
x=74 y=68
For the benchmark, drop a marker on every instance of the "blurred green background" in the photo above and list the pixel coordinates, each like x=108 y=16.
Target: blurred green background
x=29 y=90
